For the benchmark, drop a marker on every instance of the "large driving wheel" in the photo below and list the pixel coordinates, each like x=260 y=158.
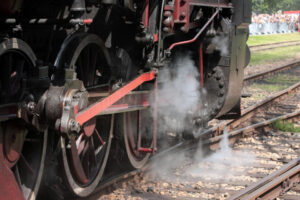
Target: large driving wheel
x=138 y=127
x=24 y=149
x=85 y=155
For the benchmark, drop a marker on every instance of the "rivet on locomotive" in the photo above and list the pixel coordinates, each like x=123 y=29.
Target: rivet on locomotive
x=78 y=75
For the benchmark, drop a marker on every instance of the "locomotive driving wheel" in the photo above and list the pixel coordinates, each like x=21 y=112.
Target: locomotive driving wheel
x=84 y=156
x=138 y=136
x=24 y=149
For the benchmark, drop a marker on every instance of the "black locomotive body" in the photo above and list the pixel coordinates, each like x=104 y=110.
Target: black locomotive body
x=76 y=73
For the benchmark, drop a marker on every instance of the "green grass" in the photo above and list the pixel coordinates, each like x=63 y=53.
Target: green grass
x=270 y=88
x=285 y=126
x=277 y=83
x=282 y=79
x=269 y=39
x=262 y=57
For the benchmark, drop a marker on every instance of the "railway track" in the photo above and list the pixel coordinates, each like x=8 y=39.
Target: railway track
x=273 y=45
x=237 y=129
x=271 y=72
x=275 y=185
x=265 y=150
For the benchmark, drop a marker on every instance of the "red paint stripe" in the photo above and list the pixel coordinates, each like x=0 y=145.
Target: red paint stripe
x=146 y=15
x=76 y=109
x=98 y=107
x=88 y=21
x=155 y=37
x=147 y=150
x=201 y=64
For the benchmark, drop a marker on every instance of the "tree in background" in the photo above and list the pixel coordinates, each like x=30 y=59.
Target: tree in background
x=271 y=6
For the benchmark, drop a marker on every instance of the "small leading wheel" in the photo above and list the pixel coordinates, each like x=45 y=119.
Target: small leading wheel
x=85 y=155
x=138 y=136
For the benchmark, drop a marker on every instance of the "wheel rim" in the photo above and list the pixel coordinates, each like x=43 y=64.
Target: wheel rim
x=85 y=155
x=94 y=147
x=133 y=123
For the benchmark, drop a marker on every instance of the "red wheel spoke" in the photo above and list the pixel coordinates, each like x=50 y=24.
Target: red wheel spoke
x=100 y=138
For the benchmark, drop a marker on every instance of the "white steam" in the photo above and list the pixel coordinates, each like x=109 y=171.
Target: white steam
x=221 y=43
x=178 y=93
x=223 y=164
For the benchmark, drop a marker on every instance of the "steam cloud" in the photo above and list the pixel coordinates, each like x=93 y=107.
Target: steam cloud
x=222 y=165
x=221 y=43
x=178 y=93
x=179 y=96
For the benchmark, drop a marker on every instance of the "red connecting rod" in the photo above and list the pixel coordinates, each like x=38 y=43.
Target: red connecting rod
x=103 y=104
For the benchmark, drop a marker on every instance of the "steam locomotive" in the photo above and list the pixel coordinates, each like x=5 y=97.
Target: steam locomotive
x=79 y=74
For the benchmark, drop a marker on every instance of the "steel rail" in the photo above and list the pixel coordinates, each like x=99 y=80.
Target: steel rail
x=273 y=185
x=249 y=112
x=235 y=134
x=262 y=75
x=264 y=47
x=211 y=141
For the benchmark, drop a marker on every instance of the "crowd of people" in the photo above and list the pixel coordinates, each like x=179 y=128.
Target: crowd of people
x=274 y=23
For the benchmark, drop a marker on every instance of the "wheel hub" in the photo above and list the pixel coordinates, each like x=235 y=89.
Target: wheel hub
x=59 y=105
